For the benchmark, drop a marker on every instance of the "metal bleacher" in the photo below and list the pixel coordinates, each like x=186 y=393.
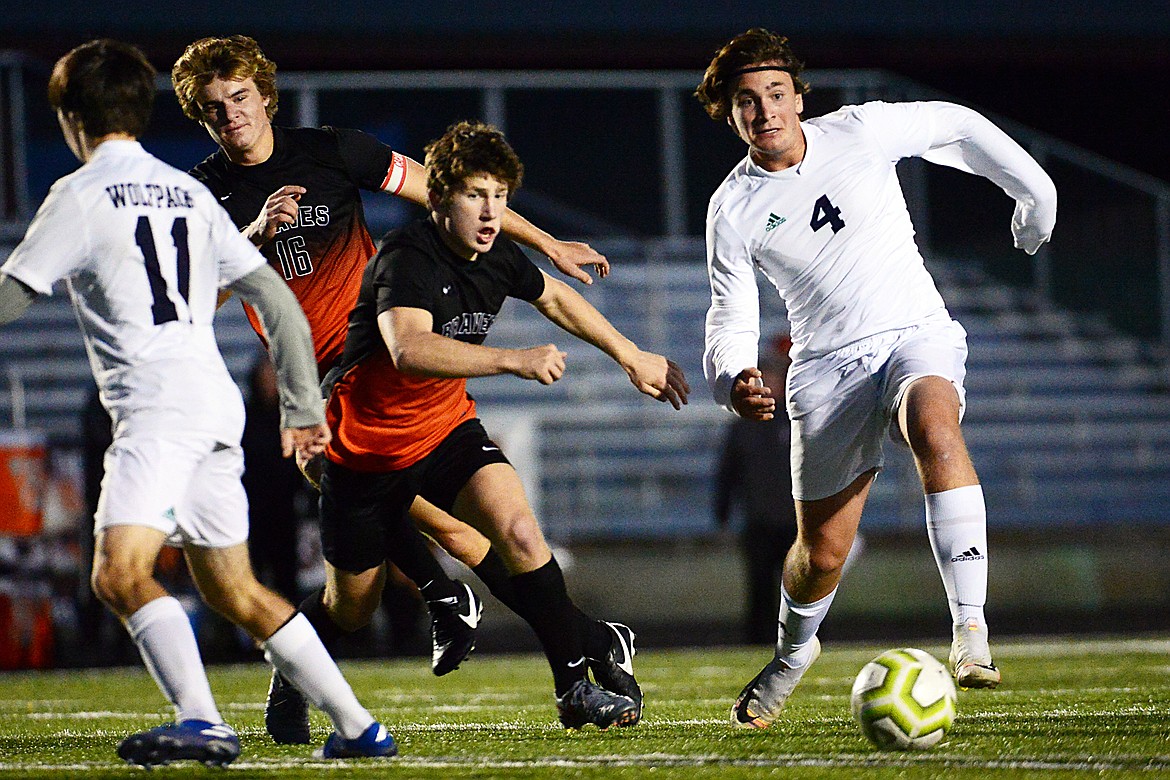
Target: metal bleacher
x=1066 y=429
x=1067 y=425
x=1068 y=419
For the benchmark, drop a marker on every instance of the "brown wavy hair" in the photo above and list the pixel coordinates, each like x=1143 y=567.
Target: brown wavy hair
x=234 y=58
x=468 y=149
x=757 y=46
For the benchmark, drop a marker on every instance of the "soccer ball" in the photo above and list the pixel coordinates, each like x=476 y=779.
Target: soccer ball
x=904 y=700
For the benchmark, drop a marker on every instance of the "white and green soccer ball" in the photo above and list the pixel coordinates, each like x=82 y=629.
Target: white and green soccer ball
x=904 y=700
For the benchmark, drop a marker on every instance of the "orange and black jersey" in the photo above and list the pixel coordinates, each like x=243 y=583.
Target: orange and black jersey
x=383 y=419
x=322 y=255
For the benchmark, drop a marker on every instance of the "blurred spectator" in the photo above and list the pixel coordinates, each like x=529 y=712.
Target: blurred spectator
x=272 y=483
x=753 y=475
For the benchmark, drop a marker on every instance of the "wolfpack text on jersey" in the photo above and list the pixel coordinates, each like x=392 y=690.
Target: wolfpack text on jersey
x=137 y=259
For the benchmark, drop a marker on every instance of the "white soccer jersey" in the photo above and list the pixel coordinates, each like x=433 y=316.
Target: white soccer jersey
x=144 y=249
x=833 y=233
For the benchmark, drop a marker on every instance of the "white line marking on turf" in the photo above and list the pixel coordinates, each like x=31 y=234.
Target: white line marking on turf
x=1034 y=647
x=88 y=715
x=666 y=760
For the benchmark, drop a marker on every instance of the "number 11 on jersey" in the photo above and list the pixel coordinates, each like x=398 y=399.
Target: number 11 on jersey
x=163 y=307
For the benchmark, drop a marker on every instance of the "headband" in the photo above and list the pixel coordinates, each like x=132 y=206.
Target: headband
x=758 y=68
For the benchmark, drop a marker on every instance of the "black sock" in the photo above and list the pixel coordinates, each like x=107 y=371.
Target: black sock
x=595 y=633
x=493 y=573
x=313 y=607
x=543 y=601
x=411 y=553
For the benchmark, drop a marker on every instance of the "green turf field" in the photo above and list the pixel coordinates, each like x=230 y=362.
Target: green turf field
x=1065 y=709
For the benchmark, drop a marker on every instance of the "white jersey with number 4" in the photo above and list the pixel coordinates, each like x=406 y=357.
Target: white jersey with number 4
x=144 y=249
x=833 y=233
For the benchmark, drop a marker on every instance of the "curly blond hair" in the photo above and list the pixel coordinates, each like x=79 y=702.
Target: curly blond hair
x=235 y=58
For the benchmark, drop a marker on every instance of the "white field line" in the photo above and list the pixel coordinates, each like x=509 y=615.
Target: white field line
x=667 y=760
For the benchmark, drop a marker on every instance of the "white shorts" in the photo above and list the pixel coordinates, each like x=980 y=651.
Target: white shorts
x=843 y=403
x=188 y=488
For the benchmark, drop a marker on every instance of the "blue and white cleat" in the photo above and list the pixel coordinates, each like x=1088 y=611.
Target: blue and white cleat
x=375 y=742
x=214 y=744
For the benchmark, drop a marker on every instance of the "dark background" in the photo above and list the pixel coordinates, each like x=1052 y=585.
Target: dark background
x=1092 y=73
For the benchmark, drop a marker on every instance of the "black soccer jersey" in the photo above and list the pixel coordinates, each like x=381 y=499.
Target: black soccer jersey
x=322 y=255
x=382 y=418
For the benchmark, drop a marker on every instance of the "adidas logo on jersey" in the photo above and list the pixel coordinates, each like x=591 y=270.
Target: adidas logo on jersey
x=969 y=555
x=774 y=220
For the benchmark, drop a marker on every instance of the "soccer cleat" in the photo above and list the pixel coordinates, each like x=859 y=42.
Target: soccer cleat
x=453 y=623
x=761 y=700
x=214 y=744
x=615 y=671
x=585 y=703
x=286 y=713
x=375 y=742
x=970 y=658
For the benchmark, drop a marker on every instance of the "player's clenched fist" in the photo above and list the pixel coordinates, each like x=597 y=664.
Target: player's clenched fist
x=545 y=364
x=280 y=209
x=306 y=442
x=750 y=398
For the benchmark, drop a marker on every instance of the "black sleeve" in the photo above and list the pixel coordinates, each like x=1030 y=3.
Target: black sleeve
x=527 y=280
x=366 y=159
x=202 y=173
x=404 y=276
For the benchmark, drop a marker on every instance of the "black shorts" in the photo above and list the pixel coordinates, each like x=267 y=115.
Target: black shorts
x=360 y=509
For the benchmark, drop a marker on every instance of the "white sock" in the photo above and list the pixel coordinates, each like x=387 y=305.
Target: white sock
x=167 y=644
x=297 y=653
x=956 y=523
x=798 y=626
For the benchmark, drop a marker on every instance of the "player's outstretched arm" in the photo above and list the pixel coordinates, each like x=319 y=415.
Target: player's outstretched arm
x=971 y=142
x=302 y=418
x=652 y=374
x=568 y=257
x=415 y=349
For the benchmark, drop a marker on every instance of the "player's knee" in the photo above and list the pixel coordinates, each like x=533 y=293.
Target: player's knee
x=826 y=557
x=520 y=535
x=118 y=585
x=939 y=447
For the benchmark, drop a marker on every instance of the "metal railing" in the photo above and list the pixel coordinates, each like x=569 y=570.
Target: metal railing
x=680 y=157
x=1135 y=220
x=660 y=157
